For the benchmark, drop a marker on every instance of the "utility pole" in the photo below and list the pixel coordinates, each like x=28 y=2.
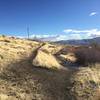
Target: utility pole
x=28 y=32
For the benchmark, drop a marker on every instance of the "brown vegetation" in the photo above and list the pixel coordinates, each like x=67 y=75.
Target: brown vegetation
x=87 y=55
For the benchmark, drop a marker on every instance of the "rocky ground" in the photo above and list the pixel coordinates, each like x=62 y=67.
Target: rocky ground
x=31 y=70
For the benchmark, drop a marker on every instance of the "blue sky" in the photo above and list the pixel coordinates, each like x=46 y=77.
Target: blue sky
x=66 y=18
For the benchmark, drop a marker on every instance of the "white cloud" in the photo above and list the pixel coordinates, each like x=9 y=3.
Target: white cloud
x=68 y=34
x=75 y=31
x=57 y=37
x=83 y=33
x=74 y=36
x=41 y=35
x=67 y=37
x=45 y=37
x=93 y=13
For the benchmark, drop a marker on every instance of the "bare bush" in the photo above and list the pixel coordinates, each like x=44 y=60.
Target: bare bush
x=87 y=55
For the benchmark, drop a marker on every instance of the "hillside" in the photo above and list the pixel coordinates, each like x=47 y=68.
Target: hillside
x=31 y=70
x=80 y=42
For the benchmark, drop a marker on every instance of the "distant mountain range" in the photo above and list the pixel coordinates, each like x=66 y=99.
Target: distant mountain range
x=57 y=39
x=79 y=42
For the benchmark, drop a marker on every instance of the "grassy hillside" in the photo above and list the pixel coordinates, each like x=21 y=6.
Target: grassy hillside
x=31 y=70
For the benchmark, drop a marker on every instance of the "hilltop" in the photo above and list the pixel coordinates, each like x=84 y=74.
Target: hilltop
x=32 y=70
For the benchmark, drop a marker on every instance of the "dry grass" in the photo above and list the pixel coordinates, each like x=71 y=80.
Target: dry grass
x=86 y=83
x=21 y=80
x=46 y=60
x=69 y=57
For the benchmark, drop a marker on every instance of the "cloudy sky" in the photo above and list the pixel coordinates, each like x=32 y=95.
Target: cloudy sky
x=62 y=19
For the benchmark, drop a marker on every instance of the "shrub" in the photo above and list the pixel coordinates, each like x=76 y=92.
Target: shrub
x=94 y=44
x=1 y=57
x=3 y=35
x=6 y=40
x=87 y=55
